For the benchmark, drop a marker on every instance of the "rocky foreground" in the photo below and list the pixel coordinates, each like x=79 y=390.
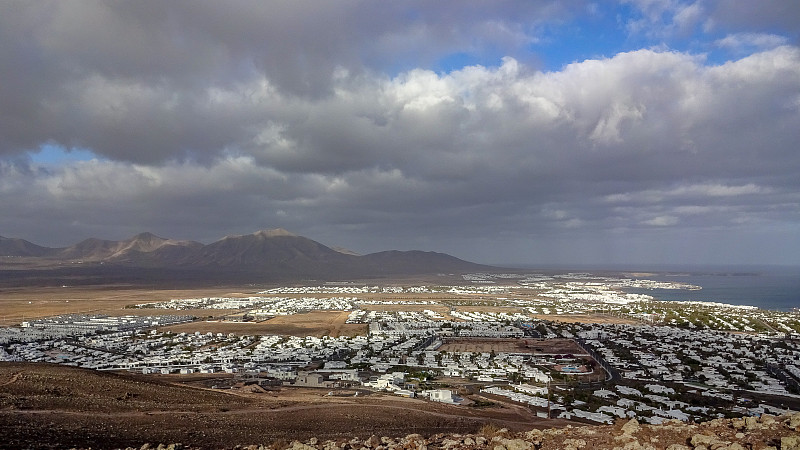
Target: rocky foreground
x=757 y=433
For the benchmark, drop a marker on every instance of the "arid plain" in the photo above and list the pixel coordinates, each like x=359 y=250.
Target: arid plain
x=77 y=407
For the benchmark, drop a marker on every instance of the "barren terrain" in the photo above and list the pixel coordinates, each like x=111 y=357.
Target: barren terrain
x=61 y=407
x=17 y=304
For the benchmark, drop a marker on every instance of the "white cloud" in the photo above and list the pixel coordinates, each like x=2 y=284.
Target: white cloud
x=661 y=221
x=747 y=41
x=313 y=132
x=664 y=18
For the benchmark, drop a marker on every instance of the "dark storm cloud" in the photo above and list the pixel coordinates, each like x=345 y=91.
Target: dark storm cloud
x=135 y=81
x=765 y=15
x=220 y=118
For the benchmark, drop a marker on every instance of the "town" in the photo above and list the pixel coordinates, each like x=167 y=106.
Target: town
x=575 y=346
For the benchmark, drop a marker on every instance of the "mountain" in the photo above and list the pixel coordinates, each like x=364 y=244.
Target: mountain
x=128 y=250
x=20 y=247
x=394 y=261
x=263 y=255
x=346 y=251
x=277 y=249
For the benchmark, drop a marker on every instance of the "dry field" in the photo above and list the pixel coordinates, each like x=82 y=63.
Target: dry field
x=529 y=345
x=17 y=304
x=315 y=323
x=62 y=407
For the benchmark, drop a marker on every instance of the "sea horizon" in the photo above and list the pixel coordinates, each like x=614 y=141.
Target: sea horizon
x=772 y=287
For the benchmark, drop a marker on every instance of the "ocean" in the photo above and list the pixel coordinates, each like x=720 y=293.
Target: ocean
x=772 y=288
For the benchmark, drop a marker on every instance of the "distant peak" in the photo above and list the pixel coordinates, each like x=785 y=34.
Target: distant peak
x=274 y=233
x=345 y=251
x=146 y=236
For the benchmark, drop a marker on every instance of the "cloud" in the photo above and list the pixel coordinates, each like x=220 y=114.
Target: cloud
x=745 y=41
x=661 y=221
x=778 y=15
x=664 y=18
x=98 y=74
x=203 y=128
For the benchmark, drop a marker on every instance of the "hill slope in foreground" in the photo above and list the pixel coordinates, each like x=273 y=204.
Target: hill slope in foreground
x=48 y=406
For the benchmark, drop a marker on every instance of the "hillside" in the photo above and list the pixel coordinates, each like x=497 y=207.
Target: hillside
x=20 y=247
x=267 y=255
x=48 y=406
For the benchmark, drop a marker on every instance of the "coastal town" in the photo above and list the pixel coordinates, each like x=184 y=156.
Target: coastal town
x=575 y=346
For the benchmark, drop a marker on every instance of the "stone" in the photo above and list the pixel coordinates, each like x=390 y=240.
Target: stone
x=632 y=445
x=630 y=427
x=574 y=444
x=480 y=440
x=735 y=446
x=297 y=445
x=677 y=447
x=313 y=441
x=516 y=444
x=449 y=443
x=794 y=421
x=534 y=435
x=469 y=441
x=373 y=441
x=704 y=440
x=751 y=423
x=790 y=443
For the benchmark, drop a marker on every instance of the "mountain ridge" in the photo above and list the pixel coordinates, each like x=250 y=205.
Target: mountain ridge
x=276 y=253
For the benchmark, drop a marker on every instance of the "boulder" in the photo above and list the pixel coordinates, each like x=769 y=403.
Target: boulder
x=297 y=445
x=751 y=423
x=372 y=442
x=631 y=427
x=517 y=444
x=790 y=443
x=574 y=444
x=677 y=447
x=794 y=421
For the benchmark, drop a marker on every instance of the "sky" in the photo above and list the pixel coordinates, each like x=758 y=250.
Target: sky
x=631 y=132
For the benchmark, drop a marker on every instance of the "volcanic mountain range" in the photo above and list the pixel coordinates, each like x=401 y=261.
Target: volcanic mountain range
x=275 y=254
